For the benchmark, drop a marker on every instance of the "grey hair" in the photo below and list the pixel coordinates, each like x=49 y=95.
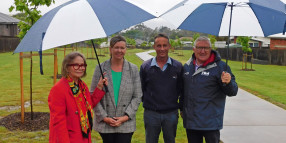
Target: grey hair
x=68 y=60
x=202 y=38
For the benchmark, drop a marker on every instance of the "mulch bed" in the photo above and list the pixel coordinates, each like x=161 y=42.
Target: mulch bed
x=13 y=121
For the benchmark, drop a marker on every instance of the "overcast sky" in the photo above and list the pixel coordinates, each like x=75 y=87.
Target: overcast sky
x=5 y=5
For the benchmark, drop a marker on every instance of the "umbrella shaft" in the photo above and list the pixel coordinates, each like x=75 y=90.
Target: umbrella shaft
x=227 y=50
x=106 y=89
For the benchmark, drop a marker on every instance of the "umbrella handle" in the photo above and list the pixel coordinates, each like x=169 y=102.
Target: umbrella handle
x=106 y=89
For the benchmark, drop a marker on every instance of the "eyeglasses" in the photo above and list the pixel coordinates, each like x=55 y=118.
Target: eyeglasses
x=201 y=48
x=77 y=66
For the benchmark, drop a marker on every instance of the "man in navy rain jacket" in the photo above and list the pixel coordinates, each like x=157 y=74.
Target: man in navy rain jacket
x=206 y=85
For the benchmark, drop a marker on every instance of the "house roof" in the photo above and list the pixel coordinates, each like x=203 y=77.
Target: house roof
x=278 y=36
x=6 y=19
x=264 y=40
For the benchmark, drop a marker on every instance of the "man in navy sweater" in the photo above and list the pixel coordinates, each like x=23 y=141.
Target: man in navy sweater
x=161 y=79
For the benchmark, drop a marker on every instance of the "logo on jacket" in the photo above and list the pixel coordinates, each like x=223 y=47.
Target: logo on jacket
x=205 y=73
x=186 y=73
x=175 y=77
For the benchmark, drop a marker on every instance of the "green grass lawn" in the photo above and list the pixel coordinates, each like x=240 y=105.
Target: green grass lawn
x=267 y=81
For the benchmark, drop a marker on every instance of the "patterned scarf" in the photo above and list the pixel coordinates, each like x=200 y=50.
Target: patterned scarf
x=85 y=111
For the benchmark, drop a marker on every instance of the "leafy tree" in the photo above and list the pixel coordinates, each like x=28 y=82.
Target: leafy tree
x=134 y=34
x=213 y=40
x=99 y=41
x=143 y=44
x=142 y=32
x=149 y=44
x=243 y=40
x=179 y=43
x=173 y=44
x=20 y=16
x=195 y=37
x=29 y=16
x=96 y=42
x=130 y=41
x=185 y=39
x=30 y=13
x=180 y=46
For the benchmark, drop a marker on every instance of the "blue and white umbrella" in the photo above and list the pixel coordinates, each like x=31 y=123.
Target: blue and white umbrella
x=80 y=20
x=230 y=17
x=249 y=17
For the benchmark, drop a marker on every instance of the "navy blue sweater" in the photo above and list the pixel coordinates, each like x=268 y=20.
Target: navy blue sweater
x=161 y=89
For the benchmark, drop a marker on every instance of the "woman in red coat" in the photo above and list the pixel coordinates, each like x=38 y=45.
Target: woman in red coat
x=70 y=103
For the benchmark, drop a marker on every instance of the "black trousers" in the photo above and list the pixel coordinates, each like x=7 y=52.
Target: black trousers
x=196 y=136
x=116 y=137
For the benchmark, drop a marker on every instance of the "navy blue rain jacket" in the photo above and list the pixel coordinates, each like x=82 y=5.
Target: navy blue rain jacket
x=205 y=95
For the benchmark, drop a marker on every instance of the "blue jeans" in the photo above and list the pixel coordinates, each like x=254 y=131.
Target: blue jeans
x=155 y=122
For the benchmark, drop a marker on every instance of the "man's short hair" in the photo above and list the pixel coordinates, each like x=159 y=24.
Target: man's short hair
x=161 y=35
x=202 y=38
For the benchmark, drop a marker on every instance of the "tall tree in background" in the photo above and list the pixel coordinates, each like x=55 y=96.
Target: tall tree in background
x=131 y=42
x=173 y=44
x=20 y=16
x=213 y=40
x=29 y=8
x=195 y=37
x=180 y=46
x=30 y=14
x=243 y=40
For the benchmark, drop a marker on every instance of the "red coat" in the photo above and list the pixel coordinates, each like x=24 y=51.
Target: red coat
x=64 y=119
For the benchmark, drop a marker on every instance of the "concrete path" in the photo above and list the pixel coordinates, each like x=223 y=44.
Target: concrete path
x=249 y=119
x=145 y=55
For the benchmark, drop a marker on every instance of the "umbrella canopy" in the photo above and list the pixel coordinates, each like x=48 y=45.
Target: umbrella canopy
x=157 y=7
x=80 y=20
x=230 y=17
x=249 y=17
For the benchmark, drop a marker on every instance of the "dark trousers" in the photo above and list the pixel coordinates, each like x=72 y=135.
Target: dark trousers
x=116 y=137
x=196 y=136
x=156 y=122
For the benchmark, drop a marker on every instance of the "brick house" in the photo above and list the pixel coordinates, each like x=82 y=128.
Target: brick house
x=278 y=41
x=8 y=33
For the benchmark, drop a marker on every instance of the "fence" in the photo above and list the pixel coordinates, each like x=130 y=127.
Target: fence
x=8 y=44
x=261 y=56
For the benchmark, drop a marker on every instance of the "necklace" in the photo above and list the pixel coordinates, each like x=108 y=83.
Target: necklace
x=75 y=89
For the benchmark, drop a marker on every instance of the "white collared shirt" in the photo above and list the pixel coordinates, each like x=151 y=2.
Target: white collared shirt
x=154 y=63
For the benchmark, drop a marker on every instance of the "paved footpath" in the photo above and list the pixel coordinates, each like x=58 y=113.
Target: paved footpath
x=249 y=119
x=145 y=55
